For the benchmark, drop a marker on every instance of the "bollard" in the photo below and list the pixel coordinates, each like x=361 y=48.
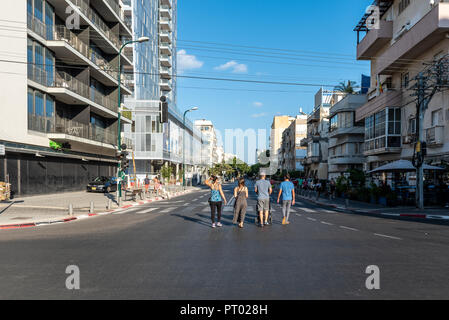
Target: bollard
x=347 y=203
x=91 y=209
x=119 y=202
x=70 y=209
x=109 y=205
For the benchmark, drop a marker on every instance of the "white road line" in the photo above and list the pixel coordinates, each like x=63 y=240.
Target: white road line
x=307 y=210
x=385 y=236
x=311 y=219
x=299 y=215
x=348 y=228
x=327 y=223
x=166 y=210
x=147 y=211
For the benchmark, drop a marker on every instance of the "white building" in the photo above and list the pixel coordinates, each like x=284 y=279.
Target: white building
x=209 y=154
x=59 y=88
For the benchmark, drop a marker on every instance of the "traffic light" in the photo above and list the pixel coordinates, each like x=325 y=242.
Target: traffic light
x=124 y=162
x=164 y=109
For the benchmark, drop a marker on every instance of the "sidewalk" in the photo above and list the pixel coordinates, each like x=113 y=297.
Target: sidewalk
x=368 y=208
x=54 y=208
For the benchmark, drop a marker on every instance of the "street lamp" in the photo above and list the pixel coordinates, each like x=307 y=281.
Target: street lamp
x=184 y=146
x=119 y=78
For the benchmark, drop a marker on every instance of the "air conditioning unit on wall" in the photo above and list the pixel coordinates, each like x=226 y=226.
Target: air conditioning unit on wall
x=402 y=31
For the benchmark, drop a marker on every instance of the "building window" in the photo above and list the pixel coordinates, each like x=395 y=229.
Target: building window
x=376 y=134
x=41 y=110
x=412 y=126
x=437 y=117
x=405 y=80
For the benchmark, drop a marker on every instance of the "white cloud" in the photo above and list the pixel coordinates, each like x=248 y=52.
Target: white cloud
x=257 y=104
x=234 y=66
x=187 y=62
x=258 y=115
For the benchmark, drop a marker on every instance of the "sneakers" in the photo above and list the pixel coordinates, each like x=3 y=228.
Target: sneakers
x=219 y=224
x=267 y=223
x=283 y=221
x=213 y=225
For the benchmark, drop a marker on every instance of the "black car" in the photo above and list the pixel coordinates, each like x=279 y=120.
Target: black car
x=102 y=184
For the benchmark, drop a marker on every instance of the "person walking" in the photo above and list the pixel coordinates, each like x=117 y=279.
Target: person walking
x=318 y=188
x=333 y=187
x=287 y=191
x=216 y=200
x=146 y=182
x=263 y=190
x=241 y=204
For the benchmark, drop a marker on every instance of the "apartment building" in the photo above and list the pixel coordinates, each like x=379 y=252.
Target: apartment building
x=279 y=125
x=59 y=97
x=317 y=140
x=209 y=150
x=409 y=33
x=292 y=153
x=346 y=136
x=155 y=144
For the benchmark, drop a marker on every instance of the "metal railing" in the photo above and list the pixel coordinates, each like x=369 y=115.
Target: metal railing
x=83 y=130
x=84 y=7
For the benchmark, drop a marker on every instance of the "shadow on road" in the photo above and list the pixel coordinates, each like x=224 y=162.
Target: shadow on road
x=191 y=219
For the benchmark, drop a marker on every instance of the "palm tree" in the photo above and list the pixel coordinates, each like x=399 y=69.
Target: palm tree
x=346 y=87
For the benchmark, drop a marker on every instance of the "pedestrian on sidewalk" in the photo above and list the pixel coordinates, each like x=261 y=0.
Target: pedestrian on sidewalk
x=241 y=204
x=333 y=188
x=263 y=190
x=287 y=191
x=318 y=188
x=216 y=200
x=146 y=182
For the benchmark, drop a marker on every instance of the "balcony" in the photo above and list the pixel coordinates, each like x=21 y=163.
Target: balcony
x=165 y=24
x=435 y=136
x=165 y=72
x=374 y=40
x=338 y=132
x=165 y=37
x=165 y=61
x=346 y=159
x=165 y=49
x=390 y=98
x=429 y=31
x=165 y=12
x=166 y=3
x=165 y=84
x=80 y=135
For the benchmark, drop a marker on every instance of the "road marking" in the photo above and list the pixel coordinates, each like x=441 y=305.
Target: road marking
x=147 y=211
x=327 y=223
x=385 y=236
x=307 y=210
x=311 y=219
x=299 y=215
x=348 y=228
x=166 y=210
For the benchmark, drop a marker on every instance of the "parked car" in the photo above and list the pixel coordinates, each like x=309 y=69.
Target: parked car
x=102 y=184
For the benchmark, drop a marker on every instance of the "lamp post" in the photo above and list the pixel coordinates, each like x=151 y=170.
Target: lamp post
x=184 y=146
x=119 y=79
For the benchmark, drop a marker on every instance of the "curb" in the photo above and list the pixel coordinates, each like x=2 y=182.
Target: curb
x=81 y=217
x=404 y=215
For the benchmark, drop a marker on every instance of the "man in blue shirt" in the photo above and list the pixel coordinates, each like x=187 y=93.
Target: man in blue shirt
x=287 y=190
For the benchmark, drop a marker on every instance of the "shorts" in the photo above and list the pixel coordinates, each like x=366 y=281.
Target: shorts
x=263 y=205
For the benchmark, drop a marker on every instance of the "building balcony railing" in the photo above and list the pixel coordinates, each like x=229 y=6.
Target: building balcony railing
x=165 y=60
x=435 y=136
x=337 y=132
x=85 y=131
x=389 y=98
x=84 y=7
x=165 y=37
x=375 y=40
x=64 y=80
x=166 y=3
x=38 y=27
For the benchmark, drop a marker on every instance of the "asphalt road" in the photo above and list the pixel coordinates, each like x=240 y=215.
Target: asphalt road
x=167 y=250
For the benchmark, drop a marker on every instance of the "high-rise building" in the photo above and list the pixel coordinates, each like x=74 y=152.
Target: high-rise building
x=279 y=125
x=59 y=97
x=155 y=144
x=209 y=154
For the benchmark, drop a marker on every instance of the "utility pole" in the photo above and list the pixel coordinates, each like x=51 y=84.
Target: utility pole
x=432 y=79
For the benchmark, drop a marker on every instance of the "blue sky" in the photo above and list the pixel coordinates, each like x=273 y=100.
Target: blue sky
x=318 y=34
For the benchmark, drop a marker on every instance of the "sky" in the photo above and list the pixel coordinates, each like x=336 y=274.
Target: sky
x=303 y=44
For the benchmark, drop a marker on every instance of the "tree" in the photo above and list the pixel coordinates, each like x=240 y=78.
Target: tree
x=166 y=172
x=346 y=87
